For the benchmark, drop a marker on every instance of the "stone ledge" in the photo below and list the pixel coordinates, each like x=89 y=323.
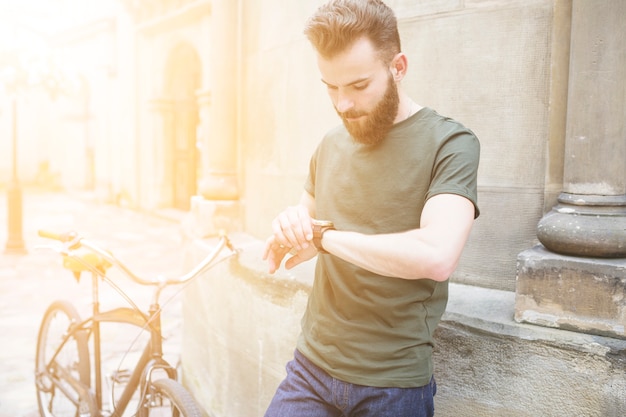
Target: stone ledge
x=484 y=309
x=582 y=294
x=493 y=311
x=486 y=363
x=489 y=365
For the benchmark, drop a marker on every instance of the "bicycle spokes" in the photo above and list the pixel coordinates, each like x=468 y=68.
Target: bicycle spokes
x=62 y=374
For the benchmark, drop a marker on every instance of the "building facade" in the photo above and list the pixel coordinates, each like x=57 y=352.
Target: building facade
x=214 y=107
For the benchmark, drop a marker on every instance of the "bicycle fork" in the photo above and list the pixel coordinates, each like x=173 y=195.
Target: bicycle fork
x=151 y=359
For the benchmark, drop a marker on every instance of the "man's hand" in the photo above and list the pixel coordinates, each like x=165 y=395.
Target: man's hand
x=293 y=233
x=274 y=253
x=292 y=228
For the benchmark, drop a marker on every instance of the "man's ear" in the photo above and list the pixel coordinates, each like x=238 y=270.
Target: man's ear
x=399 y=66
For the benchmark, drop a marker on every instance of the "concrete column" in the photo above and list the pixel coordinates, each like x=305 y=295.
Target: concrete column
x=159 y=169
x=590 y=219
x=203 y=133
x=218 y=176
x=216 y=208
x=579 y=281
x=218 y=125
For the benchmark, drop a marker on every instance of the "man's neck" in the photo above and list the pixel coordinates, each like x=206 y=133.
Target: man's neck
x=406 y=108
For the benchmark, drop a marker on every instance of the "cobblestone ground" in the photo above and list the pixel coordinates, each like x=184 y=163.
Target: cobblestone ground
x=149 y=244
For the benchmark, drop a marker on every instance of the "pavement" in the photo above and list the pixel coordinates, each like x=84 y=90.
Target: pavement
x=149 y=243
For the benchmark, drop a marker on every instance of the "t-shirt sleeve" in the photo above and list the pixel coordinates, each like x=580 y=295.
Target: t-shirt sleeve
x=309 y=183
x=456 y=167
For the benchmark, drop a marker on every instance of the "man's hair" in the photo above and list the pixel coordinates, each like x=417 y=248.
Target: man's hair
x=336 y=25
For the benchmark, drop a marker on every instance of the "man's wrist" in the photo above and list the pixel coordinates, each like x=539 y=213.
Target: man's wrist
x=319 y=228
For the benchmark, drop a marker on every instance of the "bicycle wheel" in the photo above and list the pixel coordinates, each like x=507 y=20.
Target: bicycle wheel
x=62 y=372
x=168 y=398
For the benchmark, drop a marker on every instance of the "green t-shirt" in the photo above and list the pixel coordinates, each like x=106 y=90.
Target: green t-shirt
x=359 y=326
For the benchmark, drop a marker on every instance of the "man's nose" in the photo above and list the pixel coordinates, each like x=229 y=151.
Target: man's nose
x=344 y=103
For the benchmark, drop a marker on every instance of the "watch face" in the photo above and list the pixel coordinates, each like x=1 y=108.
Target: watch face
x=322 y=223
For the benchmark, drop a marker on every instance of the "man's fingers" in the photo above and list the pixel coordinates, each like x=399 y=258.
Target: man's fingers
x=274 y=253
x=292 y=228
x=305 y=224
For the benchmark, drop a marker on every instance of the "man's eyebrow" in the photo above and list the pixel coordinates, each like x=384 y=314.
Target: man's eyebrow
x=360 y=80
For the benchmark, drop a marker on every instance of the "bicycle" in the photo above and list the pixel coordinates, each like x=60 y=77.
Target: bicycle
x=63 y=372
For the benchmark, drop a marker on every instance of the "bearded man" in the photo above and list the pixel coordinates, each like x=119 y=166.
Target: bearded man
x=387 y=208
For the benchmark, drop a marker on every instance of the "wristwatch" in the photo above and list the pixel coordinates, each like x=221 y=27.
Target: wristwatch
x=319 y=227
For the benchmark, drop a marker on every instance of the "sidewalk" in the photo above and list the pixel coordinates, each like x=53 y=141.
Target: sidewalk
x=150 y=245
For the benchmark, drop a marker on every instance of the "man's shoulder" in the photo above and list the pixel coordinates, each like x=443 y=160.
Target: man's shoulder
x=336 y=136
x=338 y=131
x=444 y=130
x=443 y=123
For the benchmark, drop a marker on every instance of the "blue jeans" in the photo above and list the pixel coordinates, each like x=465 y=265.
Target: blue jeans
x=308 y=391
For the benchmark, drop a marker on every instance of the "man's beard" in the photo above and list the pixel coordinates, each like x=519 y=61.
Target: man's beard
x=377 y=123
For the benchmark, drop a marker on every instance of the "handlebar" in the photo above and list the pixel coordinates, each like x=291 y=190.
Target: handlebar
x=71 y=241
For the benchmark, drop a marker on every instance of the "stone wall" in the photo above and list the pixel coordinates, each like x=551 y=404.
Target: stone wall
x=240 y=328
x=241 y=325
x=499 y=67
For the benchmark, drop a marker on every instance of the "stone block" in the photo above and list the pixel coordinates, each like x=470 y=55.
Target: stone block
x=581 y=294
x=208 y=218
x=240 y=329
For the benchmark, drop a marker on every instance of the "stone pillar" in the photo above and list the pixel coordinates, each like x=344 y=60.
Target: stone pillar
x=217 y=104
x=159 y=169
x=217 y=206
x=203 y=132
x=579 y=282
x=216 y=144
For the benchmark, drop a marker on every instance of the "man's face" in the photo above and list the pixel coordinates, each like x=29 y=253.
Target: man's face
x=362 y=90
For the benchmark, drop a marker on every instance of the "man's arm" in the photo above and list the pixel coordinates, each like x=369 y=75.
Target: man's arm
x=293 y=233
x=432 y=251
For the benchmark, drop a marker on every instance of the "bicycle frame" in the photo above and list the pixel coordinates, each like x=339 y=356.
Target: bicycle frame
x=151 y=359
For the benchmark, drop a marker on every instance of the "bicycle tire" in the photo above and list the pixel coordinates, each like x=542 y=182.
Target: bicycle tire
x=57 y=395
x=168 y=398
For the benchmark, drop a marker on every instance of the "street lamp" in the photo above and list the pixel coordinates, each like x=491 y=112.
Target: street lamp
x=15 y=241
x=21 y=72
x=14 y=77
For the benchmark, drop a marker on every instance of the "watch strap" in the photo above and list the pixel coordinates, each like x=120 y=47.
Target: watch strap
x=319 y=228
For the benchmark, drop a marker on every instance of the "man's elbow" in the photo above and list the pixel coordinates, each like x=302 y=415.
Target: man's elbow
x=438 y=269
x=441 y=275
